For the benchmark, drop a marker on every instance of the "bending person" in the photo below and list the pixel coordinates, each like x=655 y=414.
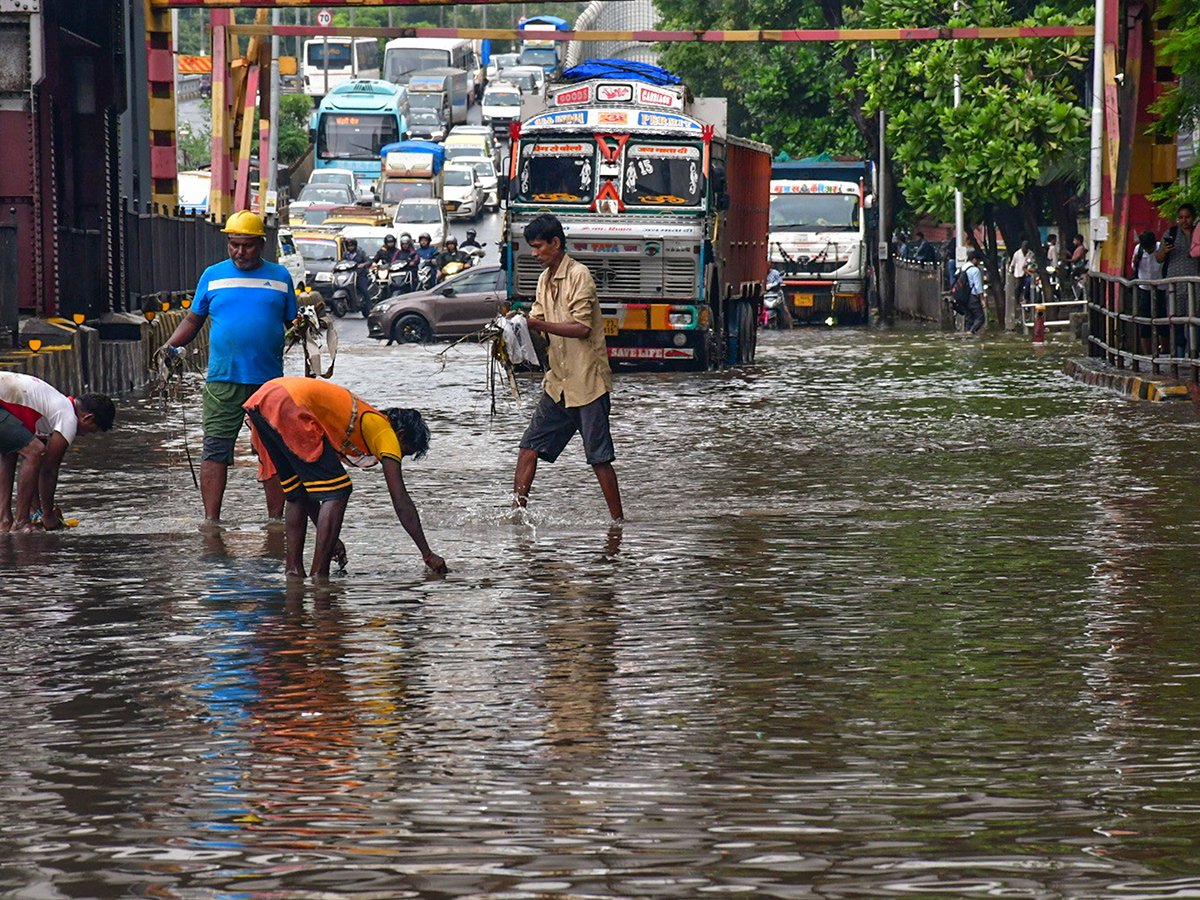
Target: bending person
x=302 y=428
x=29 y=407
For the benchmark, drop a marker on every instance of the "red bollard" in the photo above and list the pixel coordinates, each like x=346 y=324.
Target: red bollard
x=1039 y=326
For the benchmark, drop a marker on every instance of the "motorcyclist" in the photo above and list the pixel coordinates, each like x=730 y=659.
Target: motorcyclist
x=470 y=241
x=451 y=255
x=426 y=251
x=351 y=251
x=386 y=254
x=407 y=256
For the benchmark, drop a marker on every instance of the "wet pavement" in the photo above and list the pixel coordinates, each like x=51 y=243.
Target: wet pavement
x=894 y=615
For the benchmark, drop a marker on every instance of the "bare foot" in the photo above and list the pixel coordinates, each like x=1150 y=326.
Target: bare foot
x=339 y=555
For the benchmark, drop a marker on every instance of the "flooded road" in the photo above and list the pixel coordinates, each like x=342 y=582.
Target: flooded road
x=894 y=615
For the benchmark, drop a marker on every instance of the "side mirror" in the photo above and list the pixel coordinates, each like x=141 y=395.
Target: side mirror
x=448 y=291
x=502 y=186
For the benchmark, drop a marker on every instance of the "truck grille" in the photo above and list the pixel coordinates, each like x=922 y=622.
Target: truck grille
x=631 y=277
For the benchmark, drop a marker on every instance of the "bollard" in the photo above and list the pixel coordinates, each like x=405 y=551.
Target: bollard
x=1039 y=325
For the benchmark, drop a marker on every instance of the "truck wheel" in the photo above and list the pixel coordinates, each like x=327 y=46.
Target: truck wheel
x=412 y=329
x=750 y=311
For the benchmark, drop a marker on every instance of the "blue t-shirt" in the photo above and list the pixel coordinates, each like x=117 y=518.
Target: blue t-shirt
x=248 y=312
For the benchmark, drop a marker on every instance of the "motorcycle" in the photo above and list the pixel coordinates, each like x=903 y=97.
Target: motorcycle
x=775 y=313
x=451 y=269
x=346 y=296
x=426 y=275
x=475 y=251
x=381 y=282
x=402 y=278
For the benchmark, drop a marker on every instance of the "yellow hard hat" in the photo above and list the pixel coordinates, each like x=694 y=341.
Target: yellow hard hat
x=245 y=222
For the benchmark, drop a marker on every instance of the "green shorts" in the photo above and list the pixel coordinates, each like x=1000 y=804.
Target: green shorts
x=223 y=414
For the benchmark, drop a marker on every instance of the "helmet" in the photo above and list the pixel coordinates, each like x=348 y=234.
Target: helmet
x=452 y=240
x=406 y=238
x=351 y=242
x=389 y=239
x=470 y=234
x=424 y=236
x=245 y=222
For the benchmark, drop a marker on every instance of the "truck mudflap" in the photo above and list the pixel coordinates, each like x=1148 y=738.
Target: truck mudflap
x=815 y=303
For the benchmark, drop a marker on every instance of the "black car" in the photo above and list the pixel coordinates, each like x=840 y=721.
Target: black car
x=455 y=308
x=426 y=125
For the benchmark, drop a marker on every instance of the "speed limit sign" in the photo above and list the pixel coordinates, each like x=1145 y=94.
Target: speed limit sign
x=324 y=17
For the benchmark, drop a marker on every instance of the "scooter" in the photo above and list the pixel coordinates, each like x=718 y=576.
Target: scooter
x=381 y=282
x=426 y=275
x=346 y=296
x=775 y=313
x=402 y=279
x=475 y=251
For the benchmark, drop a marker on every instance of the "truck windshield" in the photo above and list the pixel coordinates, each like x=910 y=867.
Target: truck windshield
x=355 y=135
x=663 y=175
x=538 y=56
x=814 y=212
x=557 y=172
x=395 y=191
x=426 y=99
x=398 y=63
x=502 y=98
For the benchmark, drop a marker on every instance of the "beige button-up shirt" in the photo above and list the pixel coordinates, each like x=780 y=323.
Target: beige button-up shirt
x=579 y=367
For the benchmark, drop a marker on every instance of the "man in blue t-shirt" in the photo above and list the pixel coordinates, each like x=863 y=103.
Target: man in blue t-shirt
x=249 y=303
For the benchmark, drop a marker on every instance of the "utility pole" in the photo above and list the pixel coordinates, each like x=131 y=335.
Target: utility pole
x=1098 y=226
x=268 y=175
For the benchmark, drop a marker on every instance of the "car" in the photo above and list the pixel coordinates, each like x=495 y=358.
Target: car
x=289 y=257
x=319 y=251
x=501 y=107
x=329 y=194
x=485 y=171
x=530 y=79
x=418 y=214
x=369 y=237
x=426 y=125
x=457 y=307
x=332 y=175
x=477 y=136
x=461 y=194
x=501 y=61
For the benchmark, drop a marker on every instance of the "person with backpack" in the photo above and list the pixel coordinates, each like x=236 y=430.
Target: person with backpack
x=976 y=304
x=1177 y=262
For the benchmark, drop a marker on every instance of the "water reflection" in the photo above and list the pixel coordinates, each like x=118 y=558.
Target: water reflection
x=892 y=616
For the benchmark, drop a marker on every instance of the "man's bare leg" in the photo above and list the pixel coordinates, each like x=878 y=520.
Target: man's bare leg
x=27 y=482
x=527 y=461
x=329 y=528
x=213 y=476
x=607 y=476
x=8 y=470
x=296 y=518
x=274 y=497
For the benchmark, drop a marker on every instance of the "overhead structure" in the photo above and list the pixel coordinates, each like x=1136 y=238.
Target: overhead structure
x=622 y=15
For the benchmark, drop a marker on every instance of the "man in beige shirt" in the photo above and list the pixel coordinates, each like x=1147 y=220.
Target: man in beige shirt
x=577 y=388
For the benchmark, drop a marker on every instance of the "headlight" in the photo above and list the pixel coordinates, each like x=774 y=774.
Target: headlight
x=323 y=276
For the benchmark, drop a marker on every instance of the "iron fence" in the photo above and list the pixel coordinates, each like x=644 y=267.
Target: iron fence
x=920 y=292
x=166 y=251
x=1146 y=325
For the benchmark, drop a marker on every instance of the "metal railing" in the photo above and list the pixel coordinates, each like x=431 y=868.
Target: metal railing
x=167 y=250
x=920 y=292
x=1146 y=325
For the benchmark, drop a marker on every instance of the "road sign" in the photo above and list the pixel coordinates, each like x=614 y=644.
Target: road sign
x=325 y=17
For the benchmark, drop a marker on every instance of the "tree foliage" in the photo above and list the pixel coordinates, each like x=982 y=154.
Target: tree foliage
x=1179 y=106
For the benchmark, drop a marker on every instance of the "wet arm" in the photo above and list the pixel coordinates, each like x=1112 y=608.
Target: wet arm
x=56 y=449
x=186 y=330
x=406 y=512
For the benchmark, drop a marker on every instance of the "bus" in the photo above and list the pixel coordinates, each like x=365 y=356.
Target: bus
x=354 y=122
x=330 y=61
x=405 y=57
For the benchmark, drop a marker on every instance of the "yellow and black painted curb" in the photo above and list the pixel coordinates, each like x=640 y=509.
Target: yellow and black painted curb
x=1139 y=385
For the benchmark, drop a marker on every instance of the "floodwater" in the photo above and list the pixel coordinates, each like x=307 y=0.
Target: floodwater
x=894 y=615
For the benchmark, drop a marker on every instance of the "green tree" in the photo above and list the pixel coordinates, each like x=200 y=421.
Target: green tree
x=1017 y=144
x=1179 y=106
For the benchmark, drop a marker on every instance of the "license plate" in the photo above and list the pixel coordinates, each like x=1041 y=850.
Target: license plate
x=804 y=299
x=610 y=327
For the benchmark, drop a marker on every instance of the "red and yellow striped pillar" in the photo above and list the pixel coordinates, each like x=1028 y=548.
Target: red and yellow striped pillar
x=160 y=75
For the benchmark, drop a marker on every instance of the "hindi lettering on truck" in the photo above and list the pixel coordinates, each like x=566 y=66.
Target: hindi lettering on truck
x=667 y=210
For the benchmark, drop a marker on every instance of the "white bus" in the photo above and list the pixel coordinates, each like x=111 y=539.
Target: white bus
x=330 y=61
x=405 y=57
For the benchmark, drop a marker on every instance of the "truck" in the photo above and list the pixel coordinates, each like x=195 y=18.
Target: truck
x=354 y=122
x=410 y=169
x=446 y=91
x=822 y=227
x=541 y=51
x=666 y=209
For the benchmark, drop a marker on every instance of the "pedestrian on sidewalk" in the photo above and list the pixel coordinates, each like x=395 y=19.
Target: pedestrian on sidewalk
x=1021 y=268
x=976 y=316
x=250 y=302
x=39 y=424
x=302 y=428
x=1177 y=262
x=1145 y=268
x=576 y=392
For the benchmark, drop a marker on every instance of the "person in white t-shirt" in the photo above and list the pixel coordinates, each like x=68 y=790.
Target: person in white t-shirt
x=1022 y=265
x=38 y=424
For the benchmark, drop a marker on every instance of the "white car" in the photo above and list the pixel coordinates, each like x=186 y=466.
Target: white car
x=485 y=171
x=530 y=79
x=501 y=61
x=461 y=194
x=422 y=214
x=336 y=176
x=501 y=106
x=325 y=195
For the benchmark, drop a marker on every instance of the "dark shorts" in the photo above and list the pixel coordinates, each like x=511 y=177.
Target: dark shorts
x=222 y=417
x=554 y=424
x=13 y=433
x=325 y=479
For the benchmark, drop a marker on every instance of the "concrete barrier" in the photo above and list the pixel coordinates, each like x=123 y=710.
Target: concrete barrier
x=75 y=360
